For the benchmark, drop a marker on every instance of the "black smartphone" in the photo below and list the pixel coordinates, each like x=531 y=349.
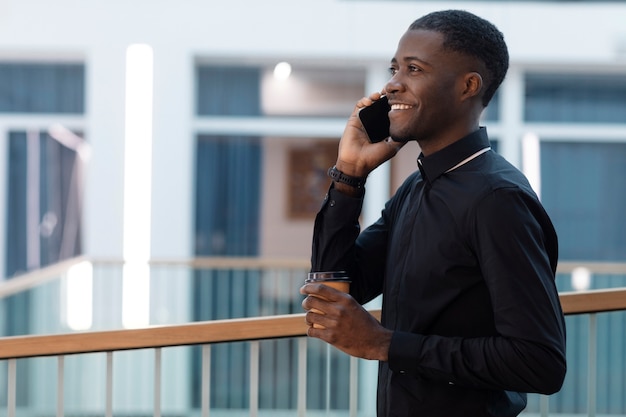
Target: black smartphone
x=375 y=119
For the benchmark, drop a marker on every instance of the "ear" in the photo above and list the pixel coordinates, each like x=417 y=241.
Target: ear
x=472 y=85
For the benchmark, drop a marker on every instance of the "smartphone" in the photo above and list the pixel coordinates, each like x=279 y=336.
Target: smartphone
x=375 y=119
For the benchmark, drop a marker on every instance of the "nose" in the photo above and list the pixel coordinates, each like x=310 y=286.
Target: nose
x=393 y=85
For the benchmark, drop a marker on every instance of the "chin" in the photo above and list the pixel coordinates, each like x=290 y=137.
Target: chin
x=402 y=136
x=399 y=137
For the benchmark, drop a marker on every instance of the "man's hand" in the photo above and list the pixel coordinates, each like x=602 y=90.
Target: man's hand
x=357 y=156
x=342 y=322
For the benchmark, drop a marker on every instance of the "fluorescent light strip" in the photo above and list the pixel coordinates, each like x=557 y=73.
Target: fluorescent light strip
x=137 y=186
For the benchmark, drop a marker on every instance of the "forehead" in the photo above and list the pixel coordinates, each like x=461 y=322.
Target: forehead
x=425 y=45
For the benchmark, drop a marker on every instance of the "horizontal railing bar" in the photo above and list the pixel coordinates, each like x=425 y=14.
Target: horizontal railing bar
x=27 y=280
x=617 y=268
x=240 y=263
x=217 y=331
x=31 y=279
x=593 y=301
x=234 y=330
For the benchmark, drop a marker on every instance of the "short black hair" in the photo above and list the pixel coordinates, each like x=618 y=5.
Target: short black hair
x=469 y=34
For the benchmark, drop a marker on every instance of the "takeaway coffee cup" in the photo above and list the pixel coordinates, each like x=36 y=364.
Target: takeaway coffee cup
x=335 y=279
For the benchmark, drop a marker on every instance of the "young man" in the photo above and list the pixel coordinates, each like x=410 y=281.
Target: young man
x=464 y=253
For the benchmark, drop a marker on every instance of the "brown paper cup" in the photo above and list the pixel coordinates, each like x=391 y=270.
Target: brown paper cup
x=338 y=280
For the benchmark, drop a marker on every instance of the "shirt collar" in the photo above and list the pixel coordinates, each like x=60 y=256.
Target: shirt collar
x=433 y=166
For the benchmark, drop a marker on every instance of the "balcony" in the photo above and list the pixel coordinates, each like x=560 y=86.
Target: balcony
x=226 y=337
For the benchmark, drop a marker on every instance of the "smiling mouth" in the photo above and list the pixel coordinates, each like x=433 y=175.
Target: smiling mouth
x=401 y=107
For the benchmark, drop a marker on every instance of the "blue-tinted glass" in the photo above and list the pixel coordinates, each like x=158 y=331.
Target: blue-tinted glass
x=227 y=195
x=583 y=191
x=56 y=202
x=228 y=91
x=42 y=88
x=492 y=111
x=575 y=98
x=495 y=143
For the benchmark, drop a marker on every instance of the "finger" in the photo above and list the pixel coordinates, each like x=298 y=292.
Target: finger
x=313 y=332
x=319 y=321
x=375 y=96
x=367 y=101
x=364 y=102
x=314 y=316
x=321 y=291
x=313 y=303
x=310 y=324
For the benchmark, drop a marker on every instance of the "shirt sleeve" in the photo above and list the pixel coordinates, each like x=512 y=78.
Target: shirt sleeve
x=335 y=246
x=516 y=247
x=335 y=230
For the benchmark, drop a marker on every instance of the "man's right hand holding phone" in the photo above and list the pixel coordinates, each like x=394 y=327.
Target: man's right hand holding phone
x=358 y=155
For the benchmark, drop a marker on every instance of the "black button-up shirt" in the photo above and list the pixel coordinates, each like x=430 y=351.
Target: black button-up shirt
x=465 y=257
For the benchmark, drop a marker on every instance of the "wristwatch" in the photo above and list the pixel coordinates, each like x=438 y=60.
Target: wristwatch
x=338 y=176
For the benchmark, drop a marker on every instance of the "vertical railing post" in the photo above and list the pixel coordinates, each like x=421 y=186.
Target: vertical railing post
x=254 y=378
x=109 y=385
x=593 y=365
x=11 y=387
x=302 y=347
x=328 y=369
x=354 y=386
x=60 y=385
x=157 y=382
x=543 y=405
x=206 y=380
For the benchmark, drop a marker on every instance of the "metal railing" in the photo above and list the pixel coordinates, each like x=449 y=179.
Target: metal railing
x=253 y=331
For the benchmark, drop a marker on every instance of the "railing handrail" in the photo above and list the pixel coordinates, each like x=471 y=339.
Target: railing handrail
x=31 y=279
x=234 y=330
x=27 y=280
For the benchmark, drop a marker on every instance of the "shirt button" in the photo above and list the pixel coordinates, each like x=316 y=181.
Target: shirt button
x=403 y=372
x=332 y=203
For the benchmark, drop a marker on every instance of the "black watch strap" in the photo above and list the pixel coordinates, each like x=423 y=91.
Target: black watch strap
x=338 y=176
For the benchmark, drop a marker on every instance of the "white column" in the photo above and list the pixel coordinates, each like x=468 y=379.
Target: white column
x=173 y=154
x=104 y=185
x=512 y=115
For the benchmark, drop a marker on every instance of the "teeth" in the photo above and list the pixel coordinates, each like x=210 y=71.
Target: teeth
x=400 y=107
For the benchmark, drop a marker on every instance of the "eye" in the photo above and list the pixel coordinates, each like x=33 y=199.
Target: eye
x=414 y=68
x=392 y=71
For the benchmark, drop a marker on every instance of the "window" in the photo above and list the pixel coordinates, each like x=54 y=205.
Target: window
x=42 y=88
x=227 y=167
x=43 y=222
x=313 y=92
x=582 y=187
x=39 y=159
x=228 y=91
x=492 y=111
x=563 y=98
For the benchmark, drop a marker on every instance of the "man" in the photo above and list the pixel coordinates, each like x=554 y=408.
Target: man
x=464 y=253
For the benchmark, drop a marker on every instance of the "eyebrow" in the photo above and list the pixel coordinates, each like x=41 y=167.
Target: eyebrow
x=411 y=58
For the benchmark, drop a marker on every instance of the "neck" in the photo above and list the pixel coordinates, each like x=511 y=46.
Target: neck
x=432 y=145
